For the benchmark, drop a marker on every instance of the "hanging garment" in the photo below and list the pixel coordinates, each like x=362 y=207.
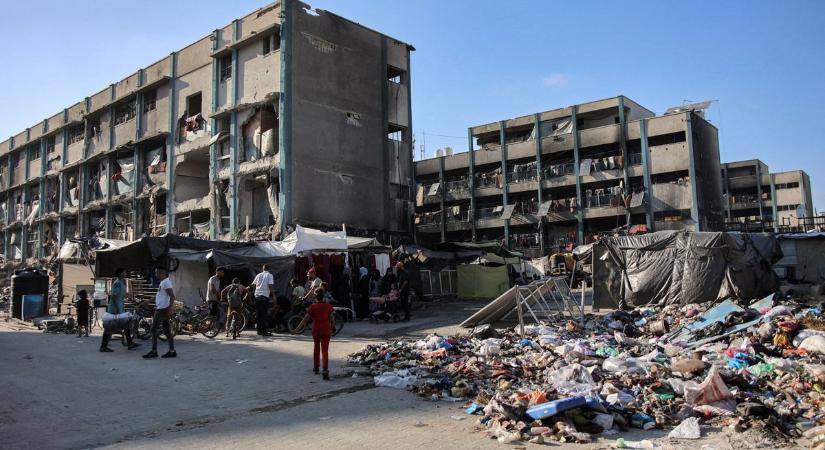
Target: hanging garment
x=382 y=263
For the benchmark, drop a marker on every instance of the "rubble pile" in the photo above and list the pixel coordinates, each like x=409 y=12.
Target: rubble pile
x=757 y=367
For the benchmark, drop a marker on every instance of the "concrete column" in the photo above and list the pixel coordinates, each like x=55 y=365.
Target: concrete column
x=171 y=140
x=24 y=229
x=504 y=185
x=140 y=107
x=233 y=139
x=773 y=205
x=112 y=96
x=759 y=190
x=539 y=196
x=385 y=127
x=726 y=187
x=215 y=217
x=649 y=219
x=694 y=189
x=64 y=153
x=42 y=193
x=623 y=145
x=472 y=184
x=577 y=169
x=407 y=83
x=285 y=117
x=441 y=202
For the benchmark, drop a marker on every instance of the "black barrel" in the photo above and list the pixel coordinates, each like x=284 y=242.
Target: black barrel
x=28 y=282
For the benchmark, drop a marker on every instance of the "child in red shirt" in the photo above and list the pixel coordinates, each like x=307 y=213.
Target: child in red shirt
x=321 y=314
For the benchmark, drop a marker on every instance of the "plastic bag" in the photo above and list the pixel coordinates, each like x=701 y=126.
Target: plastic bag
x=573 y=380
x=490 y=347
x=396 y=380
x=688 y=429
x=814 y=344
x=622 y=365
x=711 y=390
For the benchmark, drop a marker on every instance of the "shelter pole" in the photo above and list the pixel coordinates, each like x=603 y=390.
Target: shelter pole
x=582 y=288
x=520 y=313
x=346 y=259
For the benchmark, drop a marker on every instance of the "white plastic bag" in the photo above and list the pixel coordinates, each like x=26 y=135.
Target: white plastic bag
x=396 y=380
x=688 y=429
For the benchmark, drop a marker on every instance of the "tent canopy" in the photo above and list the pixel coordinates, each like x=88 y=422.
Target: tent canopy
x=681 y=267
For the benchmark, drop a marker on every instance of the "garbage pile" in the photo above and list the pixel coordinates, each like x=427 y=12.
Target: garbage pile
x=757 y=367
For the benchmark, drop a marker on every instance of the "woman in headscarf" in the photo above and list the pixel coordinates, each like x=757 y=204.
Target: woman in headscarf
x=362 y=308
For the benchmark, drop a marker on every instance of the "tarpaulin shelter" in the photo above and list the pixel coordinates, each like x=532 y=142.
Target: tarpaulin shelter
x=482 y=282
x=191 y=261
x=803 y=257
x=681 y=267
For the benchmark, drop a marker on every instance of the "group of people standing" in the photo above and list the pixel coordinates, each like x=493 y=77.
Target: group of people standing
x=314 y=295
x=373 y=284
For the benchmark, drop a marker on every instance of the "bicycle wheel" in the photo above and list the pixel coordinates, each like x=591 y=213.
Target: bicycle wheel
x=235 y=324
x=209 y=327
x=293 y=322
x=143 y=328
x=337 y=323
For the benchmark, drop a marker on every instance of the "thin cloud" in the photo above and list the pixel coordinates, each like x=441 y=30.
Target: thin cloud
x=555 y=80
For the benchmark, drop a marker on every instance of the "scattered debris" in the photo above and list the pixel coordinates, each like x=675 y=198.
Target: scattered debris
x=729 y=364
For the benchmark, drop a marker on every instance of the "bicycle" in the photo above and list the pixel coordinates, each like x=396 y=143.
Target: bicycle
x=198 y=322
x=338 y=319
x=236 y=323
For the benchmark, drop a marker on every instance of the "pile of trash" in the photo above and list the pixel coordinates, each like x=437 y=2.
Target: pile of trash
x=758 y=367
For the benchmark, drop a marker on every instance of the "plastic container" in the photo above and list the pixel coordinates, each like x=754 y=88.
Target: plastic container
x=550 y=409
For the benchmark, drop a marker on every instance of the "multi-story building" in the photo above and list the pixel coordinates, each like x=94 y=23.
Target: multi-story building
x=556 y=178
x=285 y=116
x=760 y=200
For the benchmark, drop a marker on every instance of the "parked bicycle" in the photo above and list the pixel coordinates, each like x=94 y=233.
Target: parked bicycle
x=199 y=321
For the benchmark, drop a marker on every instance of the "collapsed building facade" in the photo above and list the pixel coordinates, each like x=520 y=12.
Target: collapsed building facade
x=285 y=116
x=554 y=179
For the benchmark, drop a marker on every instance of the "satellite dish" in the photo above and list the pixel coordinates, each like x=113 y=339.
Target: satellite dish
x=689 y=107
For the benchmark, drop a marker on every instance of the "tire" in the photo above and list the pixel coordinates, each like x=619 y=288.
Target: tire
x=235 y=324
x=209 y=327
x=143 y=328
x=293 y=322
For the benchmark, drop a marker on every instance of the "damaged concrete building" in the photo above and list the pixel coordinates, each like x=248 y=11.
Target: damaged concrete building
x=551 y=180
x=759 y=200
x=285 y=116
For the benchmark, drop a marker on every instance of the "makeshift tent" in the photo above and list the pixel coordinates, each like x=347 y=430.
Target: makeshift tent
x=803 y=257
x=681 y=267
x=482 y=282
x=308 y=240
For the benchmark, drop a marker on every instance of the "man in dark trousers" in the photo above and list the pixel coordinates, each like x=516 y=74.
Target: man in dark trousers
x=164 y=310
x=403 y=289
x=264 y=288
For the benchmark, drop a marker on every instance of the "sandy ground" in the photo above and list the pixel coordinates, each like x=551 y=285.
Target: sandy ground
x=60 y=392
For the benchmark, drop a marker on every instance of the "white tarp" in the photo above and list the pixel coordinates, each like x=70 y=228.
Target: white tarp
x=307 y=240
x=71 y=250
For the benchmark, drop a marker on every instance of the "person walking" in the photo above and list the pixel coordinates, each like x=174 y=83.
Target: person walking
x=362 y=307
x=164 y=310
x=403 y=280
x=321 y=314
x=116 y=307
x=213 y=292
x=82 y=309
x=234 y=295
x=264 y=284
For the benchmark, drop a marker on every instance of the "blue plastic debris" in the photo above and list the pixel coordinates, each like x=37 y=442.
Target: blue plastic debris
x=554 y=407
x=472 y=409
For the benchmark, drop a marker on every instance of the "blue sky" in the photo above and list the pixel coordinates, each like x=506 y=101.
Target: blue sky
x=483 y=61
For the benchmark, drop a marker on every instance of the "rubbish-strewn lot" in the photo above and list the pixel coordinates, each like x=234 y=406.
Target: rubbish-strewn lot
x=59 y=392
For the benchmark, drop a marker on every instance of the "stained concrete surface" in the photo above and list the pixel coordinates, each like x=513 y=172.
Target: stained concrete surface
x=60 y=392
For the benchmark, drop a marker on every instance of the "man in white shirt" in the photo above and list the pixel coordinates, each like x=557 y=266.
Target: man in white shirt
x=213 y=292
x=164 y=309
x=264 y=287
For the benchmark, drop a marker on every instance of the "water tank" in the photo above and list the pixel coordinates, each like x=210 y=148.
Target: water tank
x=448 y=151
x=439 y=153
x=28 y=282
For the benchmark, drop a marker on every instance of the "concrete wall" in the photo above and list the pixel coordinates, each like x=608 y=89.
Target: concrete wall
x=259 y=75
x=338 y=134
x=708 y=168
